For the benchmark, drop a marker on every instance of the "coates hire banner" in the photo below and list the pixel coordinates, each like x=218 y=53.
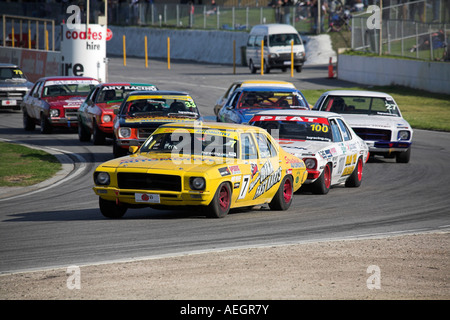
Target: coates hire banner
x=84 y=52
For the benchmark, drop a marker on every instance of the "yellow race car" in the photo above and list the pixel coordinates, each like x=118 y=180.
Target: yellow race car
x=214 y=166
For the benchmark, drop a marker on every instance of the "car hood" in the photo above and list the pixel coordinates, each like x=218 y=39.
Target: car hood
x=303 y=147
x=21 y=84
x=167 y=161
x=109 y=106
x=376 y=122
x=72 y=101
x=151 y=121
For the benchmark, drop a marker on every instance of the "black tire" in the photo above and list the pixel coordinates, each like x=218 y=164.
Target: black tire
x=46 y=127
x=220 y=204
x=285 y=193
x=98 y=136
x=403 y=157
x=83 y=134
x=355 y=178
x=266 y=68
x=323 y=183
x=28 y=122
x=110 y=209
x=252 y=67
x=298 y=69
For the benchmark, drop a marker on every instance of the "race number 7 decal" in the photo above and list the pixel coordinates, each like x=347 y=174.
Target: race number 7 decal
x=244 y=187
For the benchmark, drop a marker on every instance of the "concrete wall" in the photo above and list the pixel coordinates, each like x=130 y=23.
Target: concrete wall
x=424 y=75
x=34 y=63
x=199 y=45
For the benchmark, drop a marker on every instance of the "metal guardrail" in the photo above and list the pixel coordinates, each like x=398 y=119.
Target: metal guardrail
x=24 y=39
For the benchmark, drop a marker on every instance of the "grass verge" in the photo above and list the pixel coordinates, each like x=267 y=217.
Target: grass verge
x=21 y=166
x=422 y=109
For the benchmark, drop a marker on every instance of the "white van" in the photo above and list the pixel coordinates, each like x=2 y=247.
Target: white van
x=277 y=47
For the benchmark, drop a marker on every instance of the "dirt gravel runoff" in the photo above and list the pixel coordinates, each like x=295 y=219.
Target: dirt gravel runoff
x=395 y=268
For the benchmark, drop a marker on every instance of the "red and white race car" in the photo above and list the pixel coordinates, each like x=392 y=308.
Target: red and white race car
x=54 y=102
x=96 y=113
x=332 y=152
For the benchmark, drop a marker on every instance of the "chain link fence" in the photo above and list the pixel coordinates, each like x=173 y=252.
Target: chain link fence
x=414 y=30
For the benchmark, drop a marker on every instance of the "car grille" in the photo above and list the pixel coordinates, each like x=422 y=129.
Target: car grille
x=18 y=95
x=373 y=134
x=149 y=181
x=144 y=133
x=71 y=114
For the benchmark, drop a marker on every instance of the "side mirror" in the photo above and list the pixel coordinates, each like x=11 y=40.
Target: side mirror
x=89 y=102
x=133 y=149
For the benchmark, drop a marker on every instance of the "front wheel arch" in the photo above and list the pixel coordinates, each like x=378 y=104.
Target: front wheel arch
x=221 y=202
x=355 y=178
x=283 y=197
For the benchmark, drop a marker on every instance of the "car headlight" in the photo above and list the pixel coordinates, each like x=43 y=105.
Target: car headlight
x=300 y=54
x=106 y=118
x=273 y=55
x=310 y=163
x=197 y=183
x=54 y=113
x=102 y=178
x=403 y=135
x=124 y=132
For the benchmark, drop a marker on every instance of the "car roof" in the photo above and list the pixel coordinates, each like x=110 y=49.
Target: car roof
x=297 y=112
x=158 y=92
x=267 y=88
x=215 y=125
x=357 y=93
x=273 y=28
x=8 y=65
x=265 y=83
x=124 y=84
x=66 y=78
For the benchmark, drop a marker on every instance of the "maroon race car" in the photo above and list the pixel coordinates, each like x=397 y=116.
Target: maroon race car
x=54 y=102
x=96 y=113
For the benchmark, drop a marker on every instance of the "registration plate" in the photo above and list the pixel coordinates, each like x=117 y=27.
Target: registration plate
x=146 y=197
x=9 y=103
x=287 y=63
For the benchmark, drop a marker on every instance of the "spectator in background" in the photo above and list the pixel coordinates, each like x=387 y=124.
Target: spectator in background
x=213 y=9
x=315 y=13
x=278 y=10
x=287 y=4
x=416 y=7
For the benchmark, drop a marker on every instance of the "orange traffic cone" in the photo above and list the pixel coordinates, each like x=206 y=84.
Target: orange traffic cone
x=330 y=70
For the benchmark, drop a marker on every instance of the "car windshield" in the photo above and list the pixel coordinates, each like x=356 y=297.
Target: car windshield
x=271 y=99
x=53 y=89
x=284 y=39
x=295 y=127
x=118 y=93
x=210 y=143
x=11 y=74
x=144 y=106
x=361 y=105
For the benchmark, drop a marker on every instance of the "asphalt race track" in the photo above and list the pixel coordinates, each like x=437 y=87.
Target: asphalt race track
x=60 y=225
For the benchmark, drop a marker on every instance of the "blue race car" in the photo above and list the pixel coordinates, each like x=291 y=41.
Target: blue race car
x=247 y=101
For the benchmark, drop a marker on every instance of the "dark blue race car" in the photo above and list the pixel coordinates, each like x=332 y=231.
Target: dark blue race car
x=246 y=102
